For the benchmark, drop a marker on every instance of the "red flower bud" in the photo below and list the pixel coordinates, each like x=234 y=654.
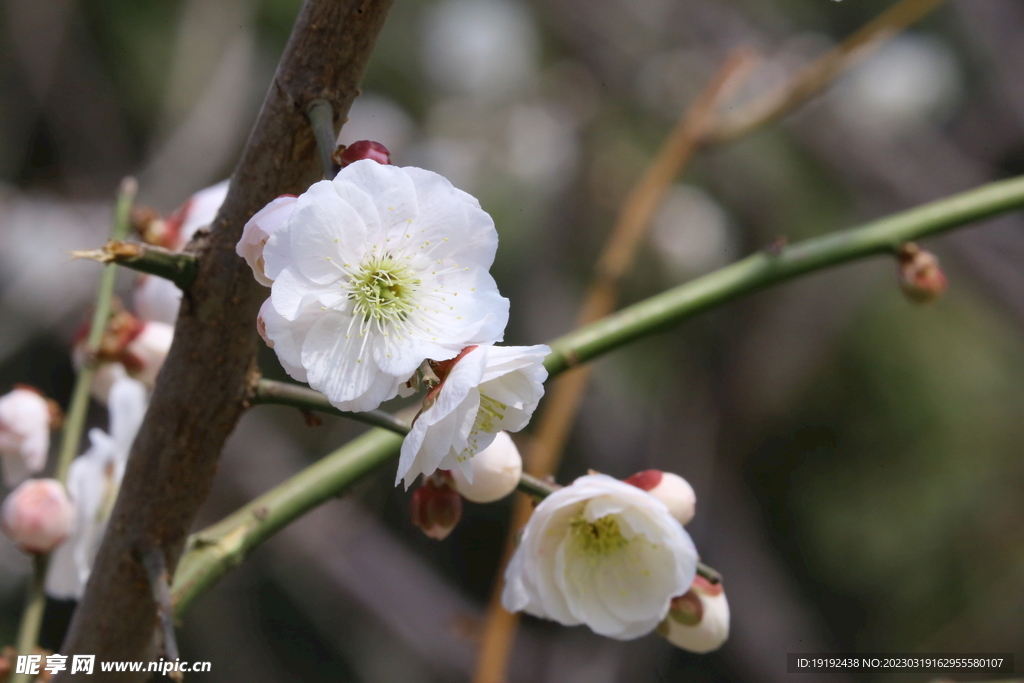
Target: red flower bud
x=436 y=506
x=919 y=275
x=364 y=149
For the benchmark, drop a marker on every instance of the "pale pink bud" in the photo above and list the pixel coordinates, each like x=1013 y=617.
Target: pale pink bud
x=436 y=507
x=671 y=489
x=25 y=421
x=918 y=274
x=258 y=230
x=364 y=149
x=496 y=471
x=38 y=515
x=698 y=620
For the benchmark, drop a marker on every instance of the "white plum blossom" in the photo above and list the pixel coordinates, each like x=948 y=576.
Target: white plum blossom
x=93 y=481
x=259 y=229
x=670 y=489
x=496 y=471
x=37 y=515
x=698 y=621
x=488 y=389
x=24 y=434
x=375 y=272
x=603 y=553
x=156 y=299
x=130 y=347
x=196 y=213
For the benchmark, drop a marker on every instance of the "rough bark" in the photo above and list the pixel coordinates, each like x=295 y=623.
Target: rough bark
x=202 y=389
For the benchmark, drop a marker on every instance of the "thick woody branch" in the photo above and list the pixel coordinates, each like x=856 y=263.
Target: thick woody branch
x=204 y=385
x=215 y=550
x=180 y=267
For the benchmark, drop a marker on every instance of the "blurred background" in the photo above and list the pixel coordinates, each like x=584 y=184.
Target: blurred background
x=857 y=460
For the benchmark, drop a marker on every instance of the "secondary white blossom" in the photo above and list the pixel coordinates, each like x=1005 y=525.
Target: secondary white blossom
x=130 y=347
x=258 y=230
x=37 y=515
x=496 y=471
x=487 y=390
x=156 y=299
x=373 y=273
x=698 y=621
x=24 y=434
x=196 y=213
x=670 y=489
x=93 y=482
x=603 y=553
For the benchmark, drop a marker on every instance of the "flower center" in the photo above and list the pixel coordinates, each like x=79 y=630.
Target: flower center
x=599 y=537
x=383 y=290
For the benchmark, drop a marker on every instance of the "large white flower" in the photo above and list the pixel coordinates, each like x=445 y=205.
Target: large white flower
x=376 y=271
x=487 y=390
x=257 y=232
x=24 y=434
x=603 y=553
x=93 y=481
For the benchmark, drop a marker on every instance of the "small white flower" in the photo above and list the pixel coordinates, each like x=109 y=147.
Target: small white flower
x=698 y=621
x=670 y=489
x=156 y=299
x=486 y=390
x=376 y=271
x=37 y=515
x=93 y=482
x=603 y=553
x=496 y=471
x=258 y=230
x=196 y=213
x=24 y=434
x=130 y=347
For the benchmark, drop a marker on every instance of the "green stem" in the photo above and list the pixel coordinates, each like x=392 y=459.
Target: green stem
x=269 y=392
x=216 y=549
x=220 y=547
x=35 y=604
x=765 y=269
x=321 y=118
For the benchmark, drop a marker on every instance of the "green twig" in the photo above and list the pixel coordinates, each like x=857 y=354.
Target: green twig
x=180 y=267
x=71 y=436
x=220 y=547
x=321 y=117
x=269 y=392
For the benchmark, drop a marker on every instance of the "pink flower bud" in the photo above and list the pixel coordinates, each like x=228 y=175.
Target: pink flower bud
x=496 y=471
x=364 y=149
x=38 y=515
x=698 y=620
x=671 y=489
x=919 y=275
x=436 y=507
x=25 y=421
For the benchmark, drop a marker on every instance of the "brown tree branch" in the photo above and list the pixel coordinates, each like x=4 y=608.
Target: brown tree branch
x=202 y=389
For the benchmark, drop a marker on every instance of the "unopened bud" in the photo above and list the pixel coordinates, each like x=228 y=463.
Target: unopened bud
x=364 y=149
x=26 y=418
x=436 y=506
x=151 y=227
x=496 y=471
x=671 y=489
x=918 y=274
x=38 y=515
x=698 y=620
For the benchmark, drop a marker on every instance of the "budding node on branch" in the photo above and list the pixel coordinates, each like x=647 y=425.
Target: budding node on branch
x=918 y=274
